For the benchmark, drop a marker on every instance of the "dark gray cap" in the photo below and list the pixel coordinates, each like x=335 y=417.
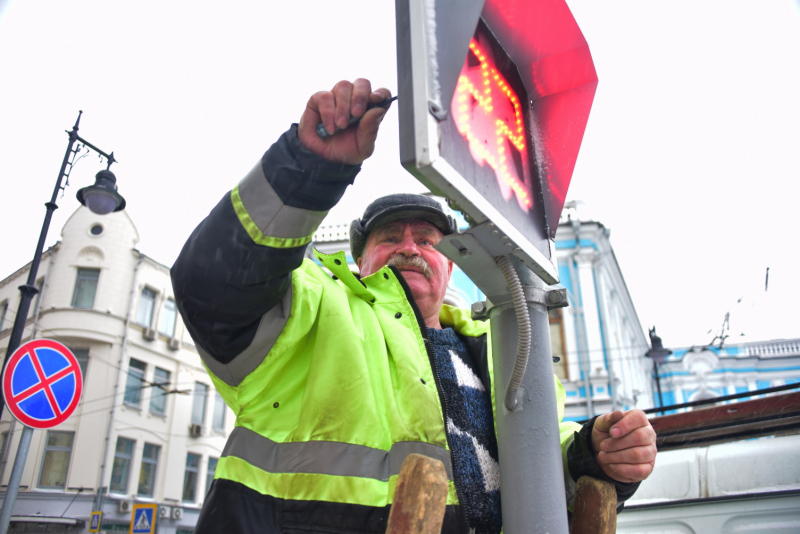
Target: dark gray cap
x=394 y=208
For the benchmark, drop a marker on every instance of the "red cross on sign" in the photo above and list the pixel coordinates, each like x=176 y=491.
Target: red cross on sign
x=42 y=383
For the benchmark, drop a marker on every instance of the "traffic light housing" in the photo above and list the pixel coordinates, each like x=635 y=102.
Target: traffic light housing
x=494 y=99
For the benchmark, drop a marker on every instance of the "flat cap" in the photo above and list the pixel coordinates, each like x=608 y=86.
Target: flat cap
x=394 y=208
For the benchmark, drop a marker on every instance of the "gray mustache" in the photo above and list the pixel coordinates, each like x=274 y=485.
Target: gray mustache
x=402 y=261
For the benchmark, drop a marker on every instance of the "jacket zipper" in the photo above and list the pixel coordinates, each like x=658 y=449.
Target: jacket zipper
x=436 y=378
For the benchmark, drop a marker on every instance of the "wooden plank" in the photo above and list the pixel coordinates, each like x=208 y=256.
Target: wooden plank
x=420 y=497
x=595 y=507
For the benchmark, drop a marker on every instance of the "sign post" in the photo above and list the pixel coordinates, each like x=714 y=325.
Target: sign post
x=42 y=386
x=494 y=96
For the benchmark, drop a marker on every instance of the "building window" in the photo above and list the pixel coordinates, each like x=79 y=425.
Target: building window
x=199 y=398
x=82 y=355
x=85 y=288
x=147 y=474
x=166 y=320
x=3 y=313
x=147 y=303
x=190 y=477
x=158 y=397
x=212 y=467
x=55 y=463
x=557 y=344
x=123 y=457
x=135 y=382
x=218 y=419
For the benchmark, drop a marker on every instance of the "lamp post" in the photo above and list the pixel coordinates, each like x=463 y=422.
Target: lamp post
x=658 y=354
x=101 y=198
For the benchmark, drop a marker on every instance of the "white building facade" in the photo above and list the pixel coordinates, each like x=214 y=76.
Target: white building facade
x=149 y=427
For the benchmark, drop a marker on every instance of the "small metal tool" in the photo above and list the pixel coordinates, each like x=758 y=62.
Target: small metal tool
x=323 y=133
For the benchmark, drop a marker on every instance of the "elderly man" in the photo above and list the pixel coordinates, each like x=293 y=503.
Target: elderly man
x=335 y=377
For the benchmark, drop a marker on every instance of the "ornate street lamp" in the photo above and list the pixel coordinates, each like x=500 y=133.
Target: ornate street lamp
x=101 y=198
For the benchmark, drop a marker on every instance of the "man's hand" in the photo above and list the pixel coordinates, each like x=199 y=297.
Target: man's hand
x=625 y=445
x=334 y=109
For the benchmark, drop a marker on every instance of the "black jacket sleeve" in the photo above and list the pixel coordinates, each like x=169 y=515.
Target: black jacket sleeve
x=223 y=281
x=581 y=461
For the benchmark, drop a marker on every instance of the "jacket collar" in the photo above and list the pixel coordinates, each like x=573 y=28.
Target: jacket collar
x=368 y=287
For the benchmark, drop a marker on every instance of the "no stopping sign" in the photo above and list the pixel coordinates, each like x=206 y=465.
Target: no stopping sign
x=42 y=383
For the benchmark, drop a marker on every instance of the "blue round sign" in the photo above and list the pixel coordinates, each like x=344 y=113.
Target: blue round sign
x=42 y=383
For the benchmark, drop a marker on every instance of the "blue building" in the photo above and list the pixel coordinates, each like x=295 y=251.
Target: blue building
x=701 y=373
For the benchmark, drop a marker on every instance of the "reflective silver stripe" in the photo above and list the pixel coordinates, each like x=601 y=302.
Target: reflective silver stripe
x=270 y=214
x=270 y=327
x=327 y=457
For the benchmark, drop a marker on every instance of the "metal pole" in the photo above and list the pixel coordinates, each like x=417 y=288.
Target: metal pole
x=29 y=290
x=531 y=472
x=16 y=476
x=658 y=385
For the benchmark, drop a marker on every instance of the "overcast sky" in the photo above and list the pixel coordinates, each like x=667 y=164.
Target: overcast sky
x=690 y=156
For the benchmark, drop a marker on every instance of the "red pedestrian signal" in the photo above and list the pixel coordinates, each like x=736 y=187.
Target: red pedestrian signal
x=488 y=114
x=494 y=99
